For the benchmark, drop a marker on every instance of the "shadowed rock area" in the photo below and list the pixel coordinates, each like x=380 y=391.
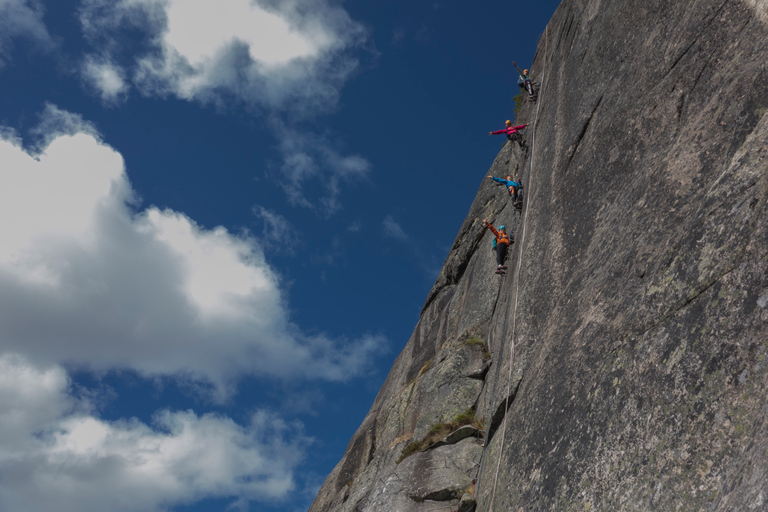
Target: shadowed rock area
x=639 y=314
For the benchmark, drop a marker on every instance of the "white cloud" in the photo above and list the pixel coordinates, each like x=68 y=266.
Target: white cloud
x=275 y=56
x=21 y=18
x=106 y=78
x=392 y=229
x=86 y=280
x=270 y=39
x=292 y=54
x=285 y=58
x=56 y=454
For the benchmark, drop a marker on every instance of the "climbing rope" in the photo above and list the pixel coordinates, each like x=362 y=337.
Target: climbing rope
x=501 y=351
x=517 y=283
x=506 y=319
x=518 y=261
x=496 y=379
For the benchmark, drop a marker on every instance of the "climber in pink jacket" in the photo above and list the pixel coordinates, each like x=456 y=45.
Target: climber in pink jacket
x=512 y=133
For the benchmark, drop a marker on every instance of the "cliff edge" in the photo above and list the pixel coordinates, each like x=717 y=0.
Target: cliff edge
x=622 y=362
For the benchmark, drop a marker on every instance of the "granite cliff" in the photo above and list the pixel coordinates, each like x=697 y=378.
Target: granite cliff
x=622 y=364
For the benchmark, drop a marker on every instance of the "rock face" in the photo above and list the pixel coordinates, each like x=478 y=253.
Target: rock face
x=624 y=366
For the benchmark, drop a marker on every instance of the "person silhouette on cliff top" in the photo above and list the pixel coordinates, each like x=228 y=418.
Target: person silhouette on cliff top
x=502 y=243
x=512 y=133
x=512 y=187
x=524 y=82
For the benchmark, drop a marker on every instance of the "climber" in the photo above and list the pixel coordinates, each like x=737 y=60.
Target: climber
x=524 y=82
x=502 y=243
x=512 y=133
x=512 y=187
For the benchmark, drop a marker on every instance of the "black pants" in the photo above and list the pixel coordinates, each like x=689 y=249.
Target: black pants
x=527 y=86
x=513 y=193
x=516 y=137
x=501 y=253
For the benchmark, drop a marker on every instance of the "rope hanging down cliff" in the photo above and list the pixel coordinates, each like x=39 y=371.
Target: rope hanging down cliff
x=517 y=289
x=490 y=412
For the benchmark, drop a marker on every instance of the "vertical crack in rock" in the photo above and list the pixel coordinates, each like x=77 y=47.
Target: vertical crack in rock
x=500 y=412
x=372 y=450
x=696 y=39
x=575 y=146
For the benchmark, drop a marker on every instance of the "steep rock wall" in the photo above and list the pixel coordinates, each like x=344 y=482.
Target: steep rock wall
x=441 y=372
x=639 y=315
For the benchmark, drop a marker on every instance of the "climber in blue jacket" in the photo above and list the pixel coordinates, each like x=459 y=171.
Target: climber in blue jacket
x=512 y=187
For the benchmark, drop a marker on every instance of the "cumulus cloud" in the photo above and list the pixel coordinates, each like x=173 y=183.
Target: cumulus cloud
x=393 y=230
x=89 y=280
x=286 y=58
x=57 y=454
x=279 y=54
x=21 y=18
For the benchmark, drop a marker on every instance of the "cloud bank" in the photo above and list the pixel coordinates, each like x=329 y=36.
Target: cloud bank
x=88 y=279
x=56 y=454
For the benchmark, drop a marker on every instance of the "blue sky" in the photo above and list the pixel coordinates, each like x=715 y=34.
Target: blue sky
x=220 y=220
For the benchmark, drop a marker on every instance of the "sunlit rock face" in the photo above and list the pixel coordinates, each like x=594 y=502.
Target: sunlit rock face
x=639 y=311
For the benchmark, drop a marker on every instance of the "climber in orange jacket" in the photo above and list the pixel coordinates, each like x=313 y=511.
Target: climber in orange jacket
x=502 y=244
x=512 y=133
